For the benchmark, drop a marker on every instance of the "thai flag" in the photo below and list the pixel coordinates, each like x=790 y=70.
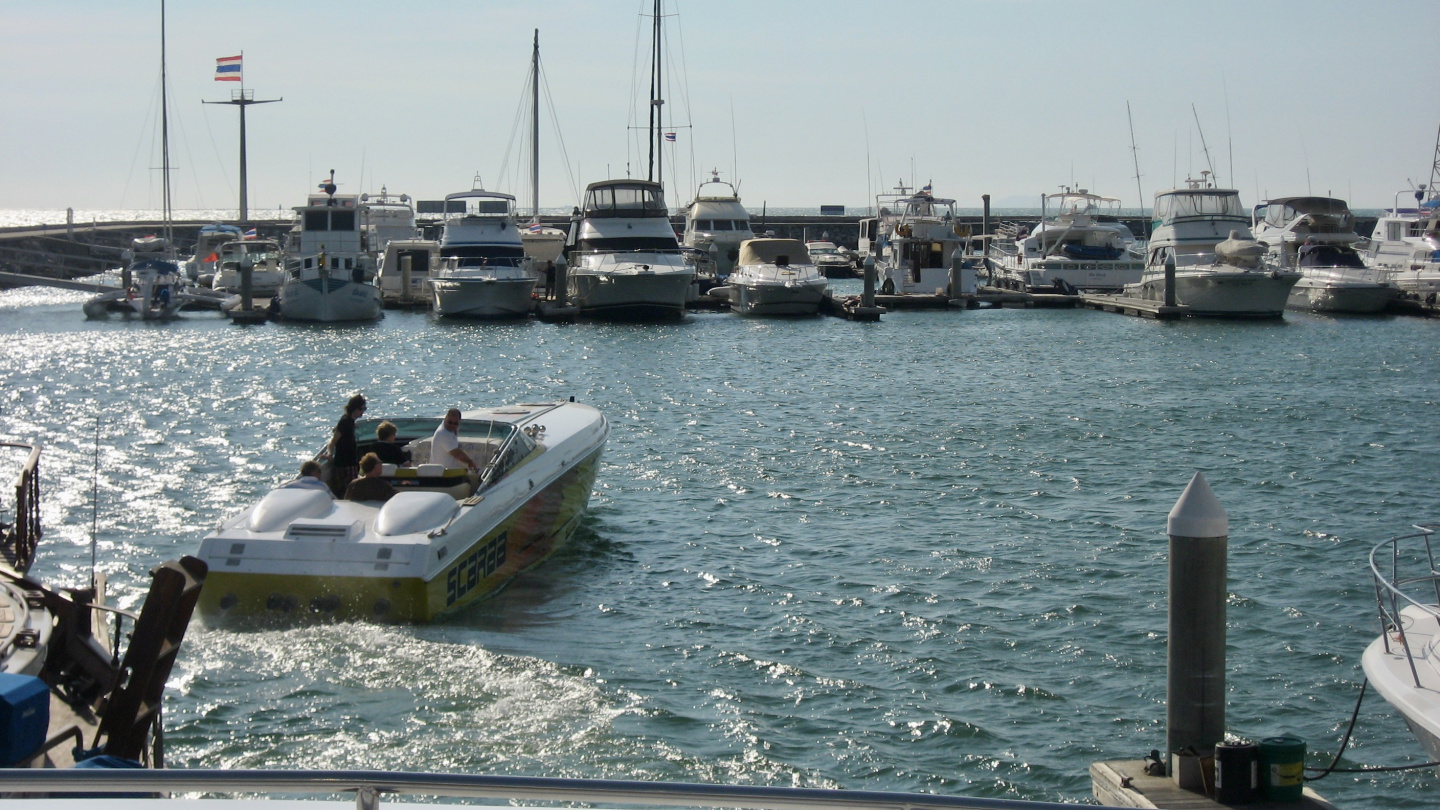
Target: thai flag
x=251 y=234
x=536 y=227
x=670 y=136
x=926 y=189
x=227 y=69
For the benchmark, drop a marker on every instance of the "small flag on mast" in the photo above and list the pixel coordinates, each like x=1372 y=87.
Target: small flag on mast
x=250 y=234
x=228 y=69
x=670 y=136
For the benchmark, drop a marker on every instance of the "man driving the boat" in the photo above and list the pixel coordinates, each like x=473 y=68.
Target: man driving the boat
x=445 y=444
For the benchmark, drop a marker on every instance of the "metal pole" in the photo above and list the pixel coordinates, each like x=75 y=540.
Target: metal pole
x=985 y=216
x=1170 y=281
x=407 y=270
x=1199 y=533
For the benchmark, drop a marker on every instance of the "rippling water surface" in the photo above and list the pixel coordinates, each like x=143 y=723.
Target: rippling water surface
x=924 y=554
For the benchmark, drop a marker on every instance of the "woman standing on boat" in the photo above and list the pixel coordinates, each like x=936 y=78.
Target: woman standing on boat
x=344 y=455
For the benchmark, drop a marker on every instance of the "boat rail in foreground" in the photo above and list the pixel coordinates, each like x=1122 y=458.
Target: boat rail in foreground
x=1391 y=587
x=370 y=786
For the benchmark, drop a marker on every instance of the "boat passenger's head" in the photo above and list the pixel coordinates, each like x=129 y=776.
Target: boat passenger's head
x=385 y=432
x=452 y=420
x=370 y=465
x=311 y=469
x=355 y=406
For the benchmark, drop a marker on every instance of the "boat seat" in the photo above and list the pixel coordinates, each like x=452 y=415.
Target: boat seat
x=481 y=450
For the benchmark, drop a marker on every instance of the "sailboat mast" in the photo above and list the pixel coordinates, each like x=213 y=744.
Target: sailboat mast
x=657 y=102
x=535 y=129
x=164 y=131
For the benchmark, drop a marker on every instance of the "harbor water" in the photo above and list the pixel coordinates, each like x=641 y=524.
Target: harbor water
x=922 y=554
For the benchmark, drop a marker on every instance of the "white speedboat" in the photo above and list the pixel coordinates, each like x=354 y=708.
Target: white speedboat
x=203 y=263
x=403 y=275
x=1403 y=664
x=328 y=266
x=1406 y=245
x=447 y=538
x=266 y=260
x=715 y=225
x=1316 y=236
x=624 y=259
x=829 y=260
x=918 y=240
x=775 y=277
x=482 y=270
x=1219 y=269
x=1079 y=244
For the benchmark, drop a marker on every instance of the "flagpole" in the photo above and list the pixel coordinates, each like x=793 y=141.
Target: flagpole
x=243 y=99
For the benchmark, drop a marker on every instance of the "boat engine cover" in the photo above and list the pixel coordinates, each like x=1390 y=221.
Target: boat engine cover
x=283 y=506
x=413 y=512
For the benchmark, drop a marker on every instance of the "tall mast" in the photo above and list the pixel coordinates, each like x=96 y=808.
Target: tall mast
x=535 y=129
x=1435 y=167
x=657 y=102
x=243 y=98
x=1135 y=155
x=165 y=133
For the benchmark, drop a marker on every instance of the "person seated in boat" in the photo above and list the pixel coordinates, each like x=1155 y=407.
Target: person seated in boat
x=389 y=450
x=369 y=486
x=445 y=444
x=311 y=477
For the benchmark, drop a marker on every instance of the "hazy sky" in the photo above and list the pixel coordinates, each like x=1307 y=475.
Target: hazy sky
x=1007 y=97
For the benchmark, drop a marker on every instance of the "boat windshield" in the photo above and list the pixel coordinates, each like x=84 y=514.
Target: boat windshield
x=1329 y=256
x=625 y=200
x=650 y=244
x=483 y=255
x=1199 y=203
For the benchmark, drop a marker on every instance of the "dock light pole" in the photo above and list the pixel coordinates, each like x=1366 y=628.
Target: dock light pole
x=1199 y=533
x=242 y=99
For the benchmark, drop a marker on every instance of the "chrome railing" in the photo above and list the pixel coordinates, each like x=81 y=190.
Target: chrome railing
x=1405 y=576
x=370 y=786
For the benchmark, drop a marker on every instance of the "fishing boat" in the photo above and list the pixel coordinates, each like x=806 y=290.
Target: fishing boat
x=482 y=271
x=1079 y=244
x=1316 y=236
x=447 y=538
x=624 y=259
x=403 y=275
x=919 y=237
x=775 y=277
x=71 y=693
x=1403 y=663
x=263 y=256
x=327 y=263
x=1405 y=245
x=1219 y=270
x=715 y=225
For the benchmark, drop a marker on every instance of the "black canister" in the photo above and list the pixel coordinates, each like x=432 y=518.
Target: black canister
x=1237 y=772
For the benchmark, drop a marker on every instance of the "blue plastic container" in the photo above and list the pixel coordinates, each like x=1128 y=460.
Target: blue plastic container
x=24 y=716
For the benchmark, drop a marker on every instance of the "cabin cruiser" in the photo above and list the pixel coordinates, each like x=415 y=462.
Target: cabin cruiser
x=1403 y=663
x=446 y=538
x=385 y=217
x=829 y=260
x=266 y=261
x=482 y=270
x=1079 y=244
x=152 y=286
x=775 y=277
x=1203 y=233
x=715 y=225
x=1406 y=245
x=1316 y=236
x=206 y=259
x=917 y=242
x=403 y=275
x=328 y=265
x=624 y=259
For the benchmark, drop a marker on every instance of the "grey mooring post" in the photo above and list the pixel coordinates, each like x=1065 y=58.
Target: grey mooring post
x=985 y=215
x=407 y=275
x=1195 y=683
x=247 y=271
x=867 y=296
x=1170 y=290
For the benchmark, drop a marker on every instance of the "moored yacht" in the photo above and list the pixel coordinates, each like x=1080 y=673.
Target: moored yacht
x=266 y=260
x=624 y=259
x=918 y=240
x=482 y=271
x=775 y=277
x=829 y=260
x=1316 y=236
x=1079 y=244
x=715 y=225
x=402 y=261
x=1219 y=269
x=446 y=538
x=385 y=217
x=151 y=288
x=203 y=263
x=327 y=263
x=1406 y=245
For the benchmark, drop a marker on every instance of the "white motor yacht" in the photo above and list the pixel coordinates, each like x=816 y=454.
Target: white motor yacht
x=403 y=274
x=266 y=260
x=385 y=217
x=624 y=259
x=446 y=538
x=1406 y=245
x=1403 y=663
x=328 y=266
x=715 y=225
x=775 y=277
x=1316 y=236
x=829 y=260
x=1219 y=269
x=482 y=270
x=918 y=240
x=1079 y=244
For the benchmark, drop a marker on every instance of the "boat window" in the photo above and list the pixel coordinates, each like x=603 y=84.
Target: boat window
x=633 y=200
x=481 y=255
x=317 y=220
x=342 y=220
x=723 y=225
x=1392 y=231
x=492 y=207
x=702 y=224
x=742 y=224
x=1329 y=256
x=628 y=243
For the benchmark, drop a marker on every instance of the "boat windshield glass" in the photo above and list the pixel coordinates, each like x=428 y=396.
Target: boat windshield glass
x=635 y=201
x=1329 y=256
x=1170 y=207
x=482 y=255
x=629 y=243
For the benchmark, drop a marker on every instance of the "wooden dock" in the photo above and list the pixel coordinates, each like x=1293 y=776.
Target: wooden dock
x=1124 y=783
x=1138 y=307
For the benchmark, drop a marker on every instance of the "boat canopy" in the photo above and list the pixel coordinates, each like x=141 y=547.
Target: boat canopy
x=1282 y=211
x=773 y=251
x=1198 y=202
x=625 y=198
